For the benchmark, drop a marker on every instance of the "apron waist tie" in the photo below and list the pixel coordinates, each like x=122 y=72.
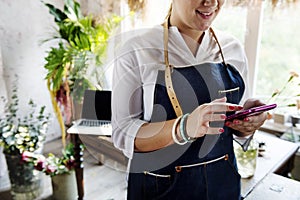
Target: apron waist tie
x=179 y=168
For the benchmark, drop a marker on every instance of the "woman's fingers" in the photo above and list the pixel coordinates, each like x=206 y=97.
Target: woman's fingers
x=247 y=125
x=206 y=129
x=213 y=131
x=214 y=117
x=220 y=107
x=209 y=118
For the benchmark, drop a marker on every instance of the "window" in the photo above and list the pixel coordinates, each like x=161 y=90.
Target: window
x=273 y=52
x=232 y=19
x=278 y=50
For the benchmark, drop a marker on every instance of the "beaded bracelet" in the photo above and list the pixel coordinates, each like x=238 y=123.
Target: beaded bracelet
x=174 y=137
x=182 y=128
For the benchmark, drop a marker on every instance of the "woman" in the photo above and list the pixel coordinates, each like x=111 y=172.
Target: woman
x=173 y=86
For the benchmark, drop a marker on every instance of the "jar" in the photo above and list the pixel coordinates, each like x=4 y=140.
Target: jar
x=246 y=160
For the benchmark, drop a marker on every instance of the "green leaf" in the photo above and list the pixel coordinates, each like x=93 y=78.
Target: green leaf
x=72 y=9
x=291 y=78
x=59 y=16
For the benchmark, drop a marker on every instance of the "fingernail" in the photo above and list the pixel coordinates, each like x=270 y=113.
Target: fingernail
x=236 y=122
x=221 y=130
x=231 y=107
x=227 y=124
x=240 y=107
x=223 y=116
x=246 y=119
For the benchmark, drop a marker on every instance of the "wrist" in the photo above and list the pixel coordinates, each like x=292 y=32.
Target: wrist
x=183 y=129
x=175 y=131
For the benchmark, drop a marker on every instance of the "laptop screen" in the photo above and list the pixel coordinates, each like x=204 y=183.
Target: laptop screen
x=96 y=105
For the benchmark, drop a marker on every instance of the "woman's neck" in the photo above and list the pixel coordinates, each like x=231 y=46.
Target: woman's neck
x=192 y=37
x=192 y=43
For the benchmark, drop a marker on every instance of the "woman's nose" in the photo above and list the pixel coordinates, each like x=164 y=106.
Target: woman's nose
x=211 y=3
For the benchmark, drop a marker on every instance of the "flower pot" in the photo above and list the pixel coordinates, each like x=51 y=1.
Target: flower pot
x=64 y=186
x=24 y=179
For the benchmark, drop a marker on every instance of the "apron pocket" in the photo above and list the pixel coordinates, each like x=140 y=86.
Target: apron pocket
x=157 y=185
x=223 y=179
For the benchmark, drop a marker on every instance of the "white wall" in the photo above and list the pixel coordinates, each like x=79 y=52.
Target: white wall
x=155 y=12
x=2 y=84
x=23 y=25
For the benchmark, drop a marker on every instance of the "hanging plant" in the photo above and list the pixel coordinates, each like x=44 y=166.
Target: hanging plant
x=274 y=3
x=136 y=5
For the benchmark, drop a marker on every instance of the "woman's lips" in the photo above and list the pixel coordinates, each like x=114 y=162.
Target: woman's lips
x=204 y=15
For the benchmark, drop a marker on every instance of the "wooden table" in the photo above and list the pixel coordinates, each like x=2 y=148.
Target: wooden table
x=277 y=156
x=275 y=187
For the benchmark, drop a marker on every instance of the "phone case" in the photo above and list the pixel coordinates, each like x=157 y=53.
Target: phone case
x=250 y=112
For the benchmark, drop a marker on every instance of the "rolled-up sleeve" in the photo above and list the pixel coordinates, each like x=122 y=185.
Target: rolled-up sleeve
x=127 y=103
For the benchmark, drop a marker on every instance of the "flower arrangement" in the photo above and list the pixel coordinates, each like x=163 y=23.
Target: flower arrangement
x=286 y=97
x=52 y=165
x=22 y=133
x=287 y=92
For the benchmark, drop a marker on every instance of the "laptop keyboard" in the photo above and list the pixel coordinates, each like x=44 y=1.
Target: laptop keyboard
x=94 y=123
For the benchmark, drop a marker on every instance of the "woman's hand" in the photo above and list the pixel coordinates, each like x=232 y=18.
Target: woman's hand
x=199 y=120
x=249 y=125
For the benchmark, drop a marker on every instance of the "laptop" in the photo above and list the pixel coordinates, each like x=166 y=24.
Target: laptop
x=95 y=115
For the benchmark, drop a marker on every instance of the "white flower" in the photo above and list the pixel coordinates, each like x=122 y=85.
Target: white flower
x=31 y=149
x=27 y=139
x=23 y=134
x=31 y=144
x=7 y=134
x=294 y=74
x=6 y=128
x=23 y=129
x=20 y=141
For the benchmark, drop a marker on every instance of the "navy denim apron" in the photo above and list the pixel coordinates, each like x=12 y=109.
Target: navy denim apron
x=204 y=169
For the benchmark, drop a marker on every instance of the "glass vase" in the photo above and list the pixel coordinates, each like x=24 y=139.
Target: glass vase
x=24 y=179
x=246 y=160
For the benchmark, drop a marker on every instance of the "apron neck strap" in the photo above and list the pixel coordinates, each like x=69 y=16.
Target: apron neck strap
x=168 y=79
x=218 y=43
x=166 y=38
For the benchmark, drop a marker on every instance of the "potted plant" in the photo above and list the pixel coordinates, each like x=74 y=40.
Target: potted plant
x=59 y=168
x=20 y=133
x=82 y=40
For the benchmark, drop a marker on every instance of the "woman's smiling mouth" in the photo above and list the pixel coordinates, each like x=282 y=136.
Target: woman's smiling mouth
x=204 y=15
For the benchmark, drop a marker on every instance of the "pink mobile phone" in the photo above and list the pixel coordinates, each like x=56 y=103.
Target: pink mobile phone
x=250 y=112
